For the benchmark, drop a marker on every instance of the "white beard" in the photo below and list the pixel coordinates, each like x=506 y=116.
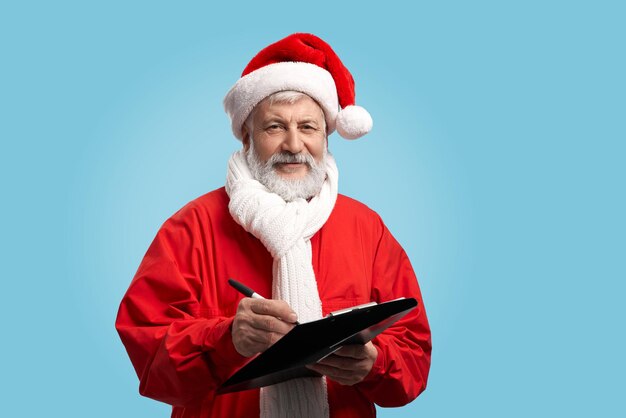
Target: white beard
x=289 y=189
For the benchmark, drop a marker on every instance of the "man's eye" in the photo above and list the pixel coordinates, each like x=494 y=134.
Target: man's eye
x=308 y=127
x=273 y=127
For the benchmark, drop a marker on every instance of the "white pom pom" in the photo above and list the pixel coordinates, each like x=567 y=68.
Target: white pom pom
x=353 y=122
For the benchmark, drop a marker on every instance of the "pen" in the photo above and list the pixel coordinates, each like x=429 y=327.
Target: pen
x=245 y=290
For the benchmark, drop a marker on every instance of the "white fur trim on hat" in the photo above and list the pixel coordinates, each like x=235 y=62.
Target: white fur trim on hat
x=306 y=78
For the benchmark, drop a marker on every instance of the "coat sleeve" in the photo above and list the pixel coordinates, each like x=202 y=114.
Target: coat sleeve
x=179 y=356
x=401 y=369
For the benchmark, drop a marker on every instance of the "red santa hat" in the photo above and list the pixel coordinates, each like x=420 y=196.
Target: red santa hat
x=305 y=63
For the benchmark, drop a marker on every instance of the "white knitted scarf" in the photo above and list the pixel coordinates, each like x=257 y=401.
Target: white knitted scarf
x=286 y=228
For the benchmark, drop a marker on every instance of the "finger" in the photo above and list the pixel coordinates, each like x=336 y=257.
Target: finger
x=347 y=364
x=344 y=377
x=267 y=323
x=249 y=341
x=276 y=308
x=246 y=344
x=264 y=339
x=246 y=316
x=314 y=367
x=339 y=362
x=355 y=351
x=264 y=329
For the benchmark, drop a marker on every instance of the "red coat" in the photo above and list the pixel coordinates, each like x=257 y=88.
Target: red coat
x=176 y=315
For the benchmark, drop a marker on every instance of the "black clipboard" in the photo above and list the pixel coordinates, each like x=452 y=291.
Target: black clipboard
x=310 y=342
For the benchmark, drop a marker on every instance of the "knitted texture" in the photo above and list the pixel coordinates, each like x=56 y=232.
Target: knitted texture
x=285 y=229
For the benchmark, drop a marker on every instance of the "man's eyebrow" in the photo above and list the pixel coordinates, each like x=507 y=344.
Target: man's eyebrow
x=308 y=119
x=273 y=118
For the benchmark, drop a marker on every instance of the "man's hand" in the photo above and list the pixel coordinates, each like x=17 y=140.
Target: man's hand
x=259 y=323
x=348 y=365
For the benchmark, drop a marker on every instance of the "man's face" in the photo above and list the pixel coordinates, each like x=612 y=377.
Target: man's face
x=288 y=128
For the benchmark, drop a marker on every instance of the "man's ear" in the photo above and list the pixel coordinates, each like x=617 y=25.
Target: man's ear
x=245 y=137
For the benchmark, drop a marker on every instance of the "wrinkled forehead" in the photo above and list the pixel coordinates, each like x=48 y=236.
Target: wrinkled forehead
x=299 y=103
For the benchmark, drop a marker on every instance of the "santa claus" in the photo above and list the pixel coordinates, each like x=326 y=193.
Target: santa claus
x=280 y=226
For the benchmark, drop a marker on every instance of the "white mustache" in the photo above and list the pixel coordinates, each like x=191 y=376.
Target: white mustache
x=289 y=158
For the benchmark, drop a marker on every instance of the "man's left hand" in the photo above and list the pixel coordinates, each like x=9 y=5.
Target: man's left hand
x=349 y=365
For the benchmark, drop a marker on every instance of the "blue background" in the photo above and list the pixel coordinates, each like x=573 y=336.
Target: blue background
x=496 y=159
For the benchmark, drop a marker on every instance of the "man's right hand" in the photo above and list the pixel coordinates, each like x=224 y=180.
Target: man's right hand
x=259 y=323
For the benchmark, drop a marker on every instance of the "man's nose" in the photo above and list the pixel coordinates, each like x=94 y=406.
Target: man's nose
x=293 y=142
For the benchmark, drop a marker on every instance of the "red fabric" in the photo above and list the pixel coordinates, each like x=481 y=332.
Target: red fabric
x=305 y=47
x=175 y=317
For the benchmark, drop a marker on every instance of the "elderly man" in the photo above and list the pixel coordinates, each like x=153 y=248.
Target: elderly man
x=279 y=226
